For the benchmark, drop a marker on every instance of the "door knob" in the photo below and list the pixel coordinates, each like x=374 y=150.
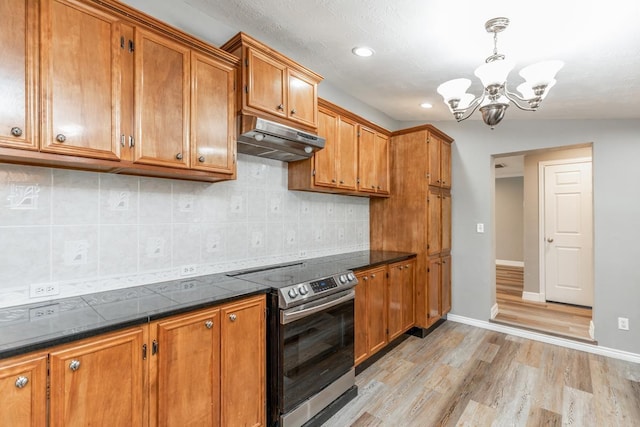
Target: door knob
x=550 y=239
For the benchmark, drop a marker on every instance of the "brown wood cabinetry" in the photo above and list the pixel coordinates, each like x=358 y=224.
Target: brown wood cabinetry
x=417 y=215
x=185 y=351
x=243 y=363
x=384 y=306
x=119 y=92
x=205 y=367
x=18 y=34
x=273 y=85
x=23 y=391
x=355 y=159
x=99 y=381
x=401 y=309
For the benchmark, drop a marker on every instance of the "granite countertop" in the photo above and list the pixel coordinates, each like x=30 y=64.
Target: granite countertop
x=41 y=325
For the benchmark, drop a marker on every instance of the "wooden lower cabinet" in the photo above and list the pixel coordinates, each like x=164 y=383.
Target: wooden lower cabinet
x=23 y=391
x=439 y=287
x=99 y=381
x=384 y=307
x=185 y=370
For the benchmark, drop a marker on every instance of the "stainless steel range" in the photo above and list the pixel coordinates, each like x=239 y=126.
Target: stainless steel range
x=310 y=343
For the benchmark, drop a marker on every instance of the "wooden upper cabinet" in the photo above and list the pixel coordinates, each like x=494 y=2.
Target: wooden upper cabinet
x=266 y=88
x=439 y=161
x=185 y=371
x=325 y=160
x=212 y=114
x=347 y=154
x=18 y=35
x=382 y=163
x=243 y=363
x=23 y=391
x=98 y=381
x=162 y=85
x=79 y=79
x=275 y=86
x=367 y=160
x=302 y=100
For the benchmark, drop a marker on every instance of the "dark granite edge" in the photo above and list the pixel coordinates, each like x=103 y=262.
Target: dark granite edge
x=390 y=260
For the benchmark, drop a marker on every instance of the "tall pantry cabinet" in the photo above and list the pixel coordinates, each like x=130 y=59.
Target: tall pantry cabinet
x=417 y=216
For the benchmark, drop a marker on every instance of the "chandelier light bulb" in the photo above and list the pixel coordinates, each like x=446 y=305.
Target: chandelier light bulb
x=454 y=89
x=494 y=72
x=541 y=73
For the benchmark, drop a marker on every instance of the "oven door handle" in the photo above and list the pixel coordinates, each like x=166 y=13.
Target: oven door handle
x=288 y=317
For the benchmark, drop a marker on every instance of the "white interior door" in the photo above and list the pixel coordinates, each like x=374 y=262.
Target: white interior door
x=568 y=233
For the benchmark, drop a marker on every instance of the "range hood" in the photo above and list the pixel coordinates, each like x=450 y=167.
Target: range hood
x=264 y=138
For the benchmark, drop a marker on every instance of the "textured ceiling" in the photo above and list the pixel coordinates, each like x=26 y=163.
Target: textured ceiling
x=420 y=44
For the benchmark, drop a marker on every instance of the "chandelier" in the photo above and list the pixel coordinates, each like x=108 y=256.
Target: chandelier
x=494 y=101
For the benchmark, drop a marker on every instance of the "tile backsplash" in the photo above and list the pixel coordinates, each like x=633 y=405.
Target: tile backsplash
x=88 y=232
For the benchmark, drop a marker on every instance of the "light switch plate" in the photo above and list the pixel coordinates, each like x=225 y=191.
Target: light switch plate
x=480 y=227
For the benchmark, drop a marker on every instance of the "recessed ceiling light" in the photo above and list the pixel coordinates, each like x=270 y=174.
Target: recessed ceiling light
x=362 y=51
x=426 y=105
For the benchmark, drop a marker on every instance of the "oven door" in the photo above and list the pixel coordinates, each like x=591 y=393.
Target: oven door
x=317 y=344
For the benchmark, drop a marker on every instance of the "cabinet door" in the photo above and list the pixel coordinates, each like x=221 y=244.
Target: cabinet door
x=303 y=99
x=98 y=381
x=243 y=337
x=23 y=391
x=266 y=88
x=162 y=100
x=434 y=206
x=445 y=277
x=366 y=160
x=382 y=163
x=408 y=290
x=19 y=41
x=185 y=371
x=212 y=115
x=433 y=290
x=377 y=309
x=80 y=80
x=347 y=154
x=434 y=160
x=445 y=164
x=445 y=221
x=396 y=298
x=361 y=319
x=325 y=159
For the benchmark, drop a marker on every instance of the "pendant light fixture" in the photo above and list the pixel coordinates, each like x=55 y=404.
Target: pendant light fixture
x=495 y=99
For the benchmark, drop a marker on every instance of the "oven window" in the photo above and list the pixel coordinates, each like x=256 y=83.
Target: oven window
x=318 y=349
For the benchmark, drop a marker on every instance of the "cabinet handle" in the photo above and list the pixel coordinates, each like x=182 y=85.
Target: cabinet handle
x=132 y=142
x=444 y=261
x=333 y=180
x=399 y=267
x=407 y=266
x=378 y=187
x=373 y=186
x=22 y=381
x=201 y=159
x=365 y=278
x=341 y=182
x=280 y=107
x=179 y=156
x=233 y=317
x=373 y=276
x=74 y=365
x=209 y=324
x=61 y=138
x=16 y=131
x=293 y=111
x=122 y=140
x=438 y=181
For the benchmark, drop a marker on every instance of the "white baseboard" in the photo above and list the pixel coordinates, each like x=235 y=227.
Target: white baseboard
x=508 y=263
x=494 y=311
x=575 y=345
x=533 y=296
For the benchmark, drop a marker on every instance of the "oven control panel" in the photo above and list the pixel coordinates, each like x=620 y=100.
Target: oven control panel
x=303 y=292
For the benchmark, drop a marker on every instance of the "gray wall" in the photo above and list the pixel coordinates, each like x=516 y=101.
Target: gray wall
x=510 y=218
x=531 y=213
x=616 y=151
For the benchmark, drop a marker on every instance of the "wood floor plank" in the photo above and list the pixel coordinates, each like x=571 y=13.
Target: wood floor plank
x=524 y=383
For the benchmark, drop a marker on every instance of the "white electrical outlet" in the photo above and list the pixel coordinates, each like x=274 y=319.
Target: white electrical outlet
x=303 y=254
x=188 y=270
x=44 y=312
x=37 y=290
x=480 y=227
x=623 y=323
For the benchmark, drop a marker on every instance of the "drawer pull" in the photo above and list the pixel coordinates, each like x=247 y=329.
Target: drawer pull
x=209 y=324
x=233 y=317
x=21 y=382
x=16 y=131
x=74 y=365
x=61 y=138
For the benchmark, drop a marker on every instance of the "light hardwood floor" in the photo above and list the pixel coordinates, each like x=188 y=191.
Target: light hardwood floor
x=555 y=319
x=460 y=375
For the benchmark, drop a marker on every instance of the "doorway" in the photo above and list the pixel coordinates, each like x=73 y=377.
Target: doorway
x=522 y=251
